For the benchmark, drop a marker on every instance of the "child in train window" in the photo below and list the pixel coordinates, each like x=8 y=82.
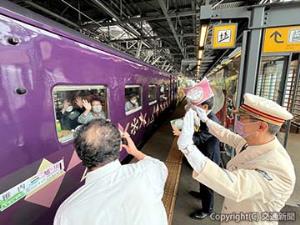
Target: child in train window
x=132 y=102
x=93 y=110
x=133 y=99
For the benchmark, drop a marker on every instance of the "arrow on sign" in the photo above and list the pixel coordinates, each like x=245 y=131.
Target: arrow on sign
x=276 y=35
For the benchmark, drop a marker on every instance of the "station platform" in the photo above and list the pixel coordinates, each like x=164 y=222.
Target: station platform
x=177 y=200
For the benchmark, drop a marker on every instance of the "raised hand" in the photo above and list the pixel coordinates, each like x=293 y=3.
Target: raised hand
x=201 y=113
x=176 y=131
x=87 y=105
x=79 y=102
x=186 y=137
x=130 y=146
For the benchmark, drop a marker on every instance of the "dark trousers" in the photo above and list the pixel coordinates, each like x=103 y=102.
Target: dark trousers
x=207 y=194
x=207 y=198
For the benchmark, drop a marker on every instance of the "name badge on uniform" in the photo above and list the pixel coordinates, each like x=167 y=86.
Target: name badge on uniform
x=265 y=174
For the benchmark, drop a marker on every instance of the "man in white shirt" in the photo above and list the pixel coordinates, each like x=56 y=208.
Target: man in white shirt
x=114 y=194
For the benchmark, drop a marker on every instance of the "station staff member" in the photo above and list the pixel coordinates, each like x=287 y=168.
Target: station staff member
x=209 y=145
x=261 y=177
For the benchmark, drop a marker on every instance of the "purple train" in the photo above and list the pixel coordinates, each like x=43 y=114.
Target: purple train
x=48 y=73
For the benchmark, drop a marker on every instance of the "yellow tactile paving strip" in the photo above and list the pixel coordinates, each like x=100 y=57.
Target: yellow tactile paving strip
x=173 y=163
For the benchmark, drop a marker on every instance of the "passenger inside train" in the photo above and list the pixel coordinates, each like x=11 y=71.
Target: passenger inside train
x=164 y=91
x=77 y=105
x=152 y=96
x=133 y=98
x=132 y=102
x=93 y=110
x=68 y=116
x=79 y=97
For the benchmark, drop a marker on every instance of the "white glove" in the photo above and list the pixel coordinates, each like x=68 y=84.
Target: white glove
x=186 y=137
x=195 y=158
x=196 y=119
x=201 y=113
x=185 y=143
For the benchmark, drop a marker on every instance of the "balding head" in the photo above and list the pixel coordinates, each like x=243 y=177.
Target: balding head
x=97 y=143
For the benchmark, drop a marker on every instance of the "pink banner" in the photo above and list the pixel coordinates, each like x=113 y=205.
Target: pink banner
x=199 y=93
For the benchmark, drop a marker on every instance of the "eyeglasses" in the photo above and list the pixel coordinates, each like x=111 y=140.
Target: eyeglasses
x=246 y=117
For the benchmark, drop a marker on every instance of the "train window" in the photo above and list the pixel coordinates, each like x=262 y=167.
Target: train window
x=167 y=90
x=163 y=92
x=152 y=99
x=133 y=98
x=77 y=105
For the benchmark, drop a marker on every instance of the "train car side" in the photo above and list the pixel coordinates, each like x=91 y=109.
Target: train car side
x=30 y=71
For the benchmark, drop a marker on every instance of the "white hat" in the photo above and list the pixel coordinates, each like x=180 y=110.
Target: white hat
x=265 y=109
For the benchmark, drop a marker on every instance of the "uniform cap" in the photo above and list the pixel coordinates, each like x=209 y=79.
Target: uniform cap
x=265 y=109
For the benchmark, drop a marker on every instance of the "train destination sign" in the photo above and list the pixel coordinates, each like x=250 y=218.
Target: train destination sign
x=282 y=39
x=46 y=173
x=224 y=35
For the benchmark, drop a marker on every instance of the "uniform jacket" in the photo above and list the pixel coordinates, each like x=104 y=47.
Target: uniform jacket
x=258 y=179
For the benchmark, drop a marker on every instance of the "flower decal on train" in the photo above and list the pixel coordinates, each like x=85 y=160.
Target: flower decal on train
x=134 y=126
x=151 y=119
x=157 y=109
x=142 y=118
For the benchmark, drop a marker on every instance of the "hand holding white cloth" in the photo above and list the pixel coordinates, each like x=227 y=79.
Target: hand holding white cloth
x=201 y=113
x=186 y=145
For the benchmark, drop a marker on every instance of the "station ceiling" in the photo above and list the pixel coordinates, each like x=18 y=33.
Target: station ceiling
x=163 y=33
